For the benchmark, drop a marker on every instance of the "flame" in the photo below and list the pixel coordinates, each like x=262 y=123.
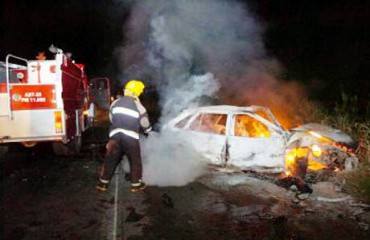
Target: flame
x=249 y=127
x=309 y=153
x=331 y=142
x=285 y=121
x=291 y=156
x=289 y=162
x=316 y=150
x=291 y=159
x=322 y=138
x=314 y=165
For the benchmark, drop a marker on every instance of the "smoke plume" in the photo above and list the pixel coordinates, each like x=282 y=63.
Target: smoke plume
x=199 y=52
x=168 y=161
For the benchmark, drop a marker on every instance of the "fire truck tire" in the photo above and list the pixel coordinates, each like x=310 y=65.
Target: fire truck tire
x=70 y=149
x=3 y=150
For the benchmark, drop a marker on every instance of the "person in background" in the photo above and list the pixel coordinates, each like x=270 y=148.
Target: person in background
x=128 y=118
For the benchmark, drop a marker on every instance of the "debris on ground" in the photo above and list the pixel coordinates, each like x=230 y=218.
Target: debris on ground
x=167 y=200
x=133 y=216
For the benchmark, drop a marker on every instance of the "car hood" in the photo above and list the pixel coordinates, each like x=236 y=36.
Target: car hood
x=326 y=131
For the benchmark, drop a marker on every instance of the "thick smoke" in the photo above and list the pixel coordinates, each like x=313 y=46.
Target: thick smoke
x=168 y=161
x=199 y=52
x=188 y=49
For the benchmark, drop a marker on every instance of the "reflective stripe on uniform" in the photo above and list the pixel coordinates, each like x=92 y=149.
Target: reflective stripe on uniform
x=124 y=131
x=103 y=181
x=125 y=111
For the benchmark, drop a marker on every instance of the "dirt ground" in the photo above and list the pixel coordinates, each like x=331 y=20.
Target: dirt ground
x=44 y=197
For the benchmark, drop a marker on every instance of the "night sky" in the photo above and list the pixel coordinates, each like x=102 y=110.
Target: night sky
x=323 y=44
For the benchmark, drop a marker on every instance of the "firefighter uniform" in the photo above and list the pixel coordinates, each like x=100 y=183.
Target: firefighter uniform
x=128 y=117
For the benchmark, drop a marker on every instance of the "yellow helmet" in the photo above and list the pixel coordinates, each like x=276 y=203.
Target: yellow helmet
x=135 y=86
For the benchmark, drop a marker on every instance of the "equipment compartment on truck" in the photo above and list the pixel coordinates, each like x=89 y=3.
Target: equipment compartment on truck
x=45 y=100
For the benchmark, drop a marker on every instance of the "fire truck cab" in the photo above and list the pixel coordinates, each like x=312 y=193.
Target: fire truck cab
x=44 y=100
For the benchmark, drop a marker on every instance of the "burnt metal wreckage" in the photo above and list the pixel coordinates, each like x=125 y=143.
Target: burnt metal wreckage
x=252 y=139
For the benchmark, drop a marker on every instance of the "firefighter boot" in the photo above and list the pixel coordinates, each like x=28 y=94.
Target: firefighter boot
x=102 y=185
x=137 y=187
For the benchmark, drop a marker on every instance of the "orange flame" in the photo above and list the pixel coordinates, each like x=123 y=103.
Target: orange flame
x=249 y=127
x=308 y=153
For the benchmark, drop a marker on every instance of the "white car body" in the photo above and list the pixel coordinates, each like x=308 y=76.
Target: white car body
x=225 y=146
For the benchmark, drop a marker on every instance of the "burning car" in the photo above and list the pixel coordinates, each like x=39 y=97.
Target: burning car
x=251 y=138
x=315 y=147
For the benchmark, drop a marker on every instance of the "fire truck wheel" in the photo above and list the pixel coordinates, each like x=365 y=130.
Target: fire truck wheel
x=70 y=149
x=29 y=144
x=3 y=150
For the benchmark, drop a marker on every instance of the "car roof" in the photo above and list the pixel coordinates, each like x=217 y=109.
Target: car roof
x=225 y=109
x=229 y=108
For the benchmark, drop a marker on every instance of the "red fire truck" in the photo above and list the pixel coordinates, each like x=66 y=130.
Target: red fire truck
x=46 y=100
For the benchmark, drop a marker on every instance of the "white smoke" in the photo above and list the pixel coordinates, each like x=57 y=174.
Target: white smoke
x=168 y=161
x=189 y=50
x=188 y=94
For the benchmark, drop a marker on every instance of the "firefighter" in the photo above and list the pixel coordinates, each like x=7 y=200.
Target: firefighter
x=128 y=117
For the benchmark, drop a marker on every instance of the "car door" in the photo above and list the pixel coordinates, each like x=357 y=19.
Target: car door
x=206 y=132
x=254 y=143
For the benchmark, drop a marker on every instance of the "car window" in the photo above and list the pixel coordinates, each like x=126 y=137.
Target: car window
x=210 y=123
x=183 y=122
x=247 y=126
